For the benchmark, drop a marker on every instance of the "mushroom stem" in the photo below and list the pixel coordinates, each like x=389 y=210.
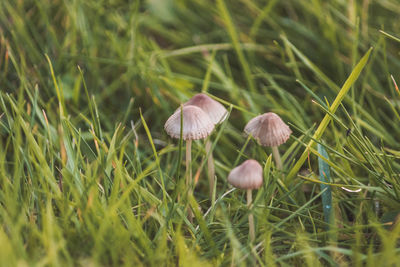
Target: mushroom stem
x=189 y=174
x=210 y=168
x=277 y=158
x=251 y=218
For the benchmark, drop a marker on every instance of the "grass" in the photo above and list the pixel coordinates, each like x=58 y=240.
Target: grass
x=88 y=176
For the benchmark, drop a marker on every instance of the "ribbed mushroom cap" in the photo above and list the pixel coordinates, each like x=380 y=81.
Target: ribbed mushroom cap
x=248 y=175
x=196 y=124
x=268 y=129
x=212 y=108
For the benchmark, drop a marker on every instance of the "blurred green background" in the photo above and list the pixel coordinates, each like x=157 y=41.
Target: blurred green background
x=133 y=49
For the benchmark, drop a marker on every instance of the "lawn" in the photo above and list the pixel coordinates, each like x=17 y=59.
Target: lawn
x=89 y=176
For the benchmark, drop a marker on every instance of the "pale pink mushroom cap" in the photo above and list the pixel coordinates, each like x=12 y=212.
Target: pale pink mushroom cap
x=196 y=124
x=248 y=175
x=268 y=129
x=215 y=110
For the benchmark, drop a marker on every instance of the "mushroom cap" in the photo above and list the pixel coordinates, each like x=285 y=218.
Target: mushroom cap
x=268 y=129
x=196 y=124
x=248 y=175
x=215 y=110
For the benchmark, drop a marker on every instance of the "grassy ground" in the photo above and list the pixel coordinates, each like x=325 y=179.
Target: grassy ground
x=89 y=177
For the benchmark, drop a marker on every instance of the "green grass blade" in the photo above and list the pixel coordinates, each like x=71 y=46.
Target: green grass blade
x=164 y=192
x=236 y=44
x=325 y=176
x=325 y=121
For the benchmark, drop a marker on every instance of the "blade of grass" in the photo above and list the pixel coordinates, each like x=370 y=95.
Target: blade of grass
x=325 y=176
x=390 y=36
x=236 y=44
x=325 y=121
x=164 y=192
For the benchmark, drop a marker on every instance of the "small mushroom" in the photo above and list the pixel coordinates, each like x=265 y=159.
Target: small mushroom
x=269 y=130
x=248 y=176
x=217 y=114
x=195 y=125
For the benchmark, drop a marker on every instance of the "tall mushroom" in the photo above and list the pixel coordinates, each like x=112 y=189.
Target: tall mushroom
x=248 y=176
x=217 y=114
x=269 y=130
x=196 y=125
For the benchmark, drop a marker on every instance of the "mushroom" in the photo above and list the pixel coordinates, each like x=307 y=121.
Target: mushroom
x=212 y=108
x=269 y=130
x=249 y=176
x=196 y=125
x=217 y=114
